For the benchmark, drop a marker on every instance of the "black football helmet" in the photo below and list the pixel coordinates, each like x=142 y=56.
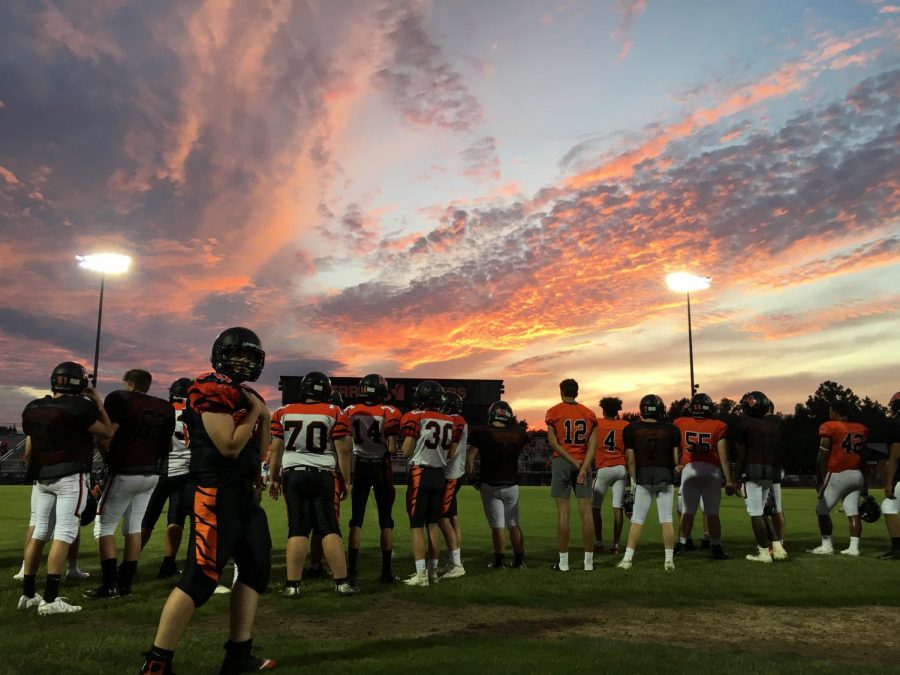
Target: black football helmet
x=652 y=407
x=702 y=405
x=894 y=405
x=249 y=365
x=68 y=378
x=429 y=395
x=500 y=411
x=451 y=403
x=869 y=510
x=336 y=398
x=769 y=506
x=316 y=386
x=178 y=390
x=373 y=388
x=628 y=502
x=755 y=404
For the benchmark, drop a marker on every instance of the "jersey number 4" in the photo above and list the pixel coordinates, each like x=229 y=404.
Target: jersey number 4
x=610 y=441
x=316 y=437
x=853 y=443
x=373 y=432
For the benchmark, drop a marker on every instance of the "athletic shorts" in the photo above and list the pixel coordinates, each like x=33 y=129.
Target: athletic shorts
x=424 y=494
x=312 y=497
x=843 y=485
x=756 y=492
x=501 y=505
x=564 y=480
x=610 y=476
x=179 y=492
x=776 y=493
x=701 y=480
x=125 y=498
x=226 y=524
x=375 y=476
x=448 y=501
x=643 y=495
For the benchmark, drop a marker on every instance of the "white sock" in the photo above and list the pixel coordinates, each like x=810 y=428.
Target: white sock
x=826 y=541
x=433 y=563
x=763 y=550
x=854 y=544
x=456 y=557
x=629 y=554
x=588 y=558
x=670 y=554
x=420 y=567
x=682 y=540
x=564 y=560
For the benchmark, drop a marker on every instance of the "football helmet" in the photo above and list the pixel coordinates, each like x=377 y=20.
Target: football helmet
x=336 y=398
x=429 y=395
x=702 y=405
x=373 y=388
x=316 y=386
x=769 y=506
x=755 y=404
x=68 y=378
x=89 y=512
x=451 y=403
x=869 y=510
x=500 y=411
x=178 y=390
x=628 y=502
x=894 y=405
x=652 y=407
x=237 y=352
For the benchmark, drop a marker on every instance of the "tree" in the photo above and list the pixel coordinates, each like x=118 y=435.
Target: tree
x=728 y=407
x=679 y=408
x=874 y=416
x=817 y=405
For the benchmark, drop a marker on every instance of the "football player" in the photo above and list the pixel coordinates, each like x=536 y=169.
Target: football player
x=776 y=518
x=758 y=439
x=572 y=435
x=310 y=444
x=841 y=447
x=228 y=426
x=143 y=426
x=375 y=426
x=651 y=450
x=890 y=507
x=174 y=486
x=704 y=460
x=429 y=440
x=448 y=520
x=59 y=438
x=609 y=461
x=499 y=446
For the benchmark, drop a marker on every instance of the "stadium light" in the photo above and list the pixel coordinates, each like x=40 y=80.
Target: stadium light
x=685 y=282
x=105 y=263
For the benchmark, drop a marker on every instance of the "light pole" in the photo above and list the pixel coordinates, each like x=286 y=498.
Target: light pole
x=685 y=282
x=105 y=263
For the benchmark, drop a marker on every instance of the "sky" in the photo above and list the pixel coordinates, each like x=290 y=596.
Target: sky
x=456 y=189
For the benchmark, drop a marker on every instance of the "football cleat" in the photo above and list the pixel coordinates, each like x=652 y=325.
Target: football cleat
x=893 y=554
x=102 y=592
x=417 y=580
x=77 y=574
x=222 y=590
x=851 y=552
x=498 y=563
x=705 y=544
x=778 y=551
x=156 y=666
x=556 y=568
x=388 y=578
x=669 y=565
x=30 y=603
x=58 y=606
x=239 y=659
x=821 y=550
x=718 y=553
x=519 y=563
x=454 y=572
x=760 y=556
x=346 y=588
x=290 y=592
x=20 y=575
x=624 y=565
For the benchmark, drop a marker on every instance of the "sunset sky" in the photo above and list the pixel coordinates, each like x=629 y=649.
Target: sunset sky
x=456 y=188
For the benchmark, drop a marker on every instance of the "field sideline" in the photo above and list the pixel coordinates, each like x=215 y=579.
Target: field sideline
x=829 y=615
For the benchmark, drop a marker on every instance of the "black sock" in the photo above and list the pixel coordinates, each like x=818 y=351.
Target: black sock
x=498 y=559
x=895 y=544
x=126 y=573
x=386 y=557
x=520 y=557
x=51 y=589
x=352 y=559
x=237 y=649
x=110 y=572
x=169 y=562
x=29 y=586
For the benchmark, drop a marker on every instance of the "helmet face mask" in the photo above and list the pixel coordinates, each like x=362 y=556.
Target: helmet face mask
x=429 y=395
x=68 y=378
x=652 y=407
x=237 y=352
x=178 y=390
x=755 y=404
x=373 y=388
x=501 y=412
x=702 y=405
x=451 y=403
x=316 y=386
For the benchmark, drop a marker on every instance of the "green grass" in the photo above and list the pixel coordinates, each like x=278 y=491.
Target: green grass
x=703 y=615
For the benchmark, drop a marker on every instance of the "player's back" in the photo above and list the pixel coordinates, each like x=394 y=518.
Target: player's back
x=144 y=436
x=848 y=441
x=499 y=449
x=60 y=442
x=762 y=438
x=700 y=438
x=434 y=433
x=610 y=444
x=372 y=425
x=309 y=431
x=653 y=443
x=572 y=424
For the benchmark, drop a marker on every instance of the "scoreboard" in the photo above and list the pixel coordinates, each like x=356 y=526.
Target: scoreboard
x=477 y=395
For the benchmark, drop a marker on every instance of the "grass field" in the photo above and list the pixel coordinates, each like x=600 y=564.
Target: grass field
x=807 y=614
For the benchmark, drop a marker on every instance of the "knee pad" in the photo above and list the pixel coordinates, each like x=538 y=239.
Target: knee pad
x=386 y=523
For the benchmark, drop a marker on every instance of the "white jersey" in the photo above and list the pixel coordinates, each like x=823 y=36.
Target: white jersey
x=180 y=458
x=309 y=431
x=456 y=467
x=371 y=425
x=434 y=432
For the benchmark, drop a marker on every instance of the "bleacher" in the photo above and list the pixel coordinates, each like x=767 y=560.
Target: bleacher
x=12 y=455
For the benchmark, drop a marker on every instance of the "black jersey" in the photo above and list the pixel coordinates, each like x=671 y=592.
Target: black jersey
x=653 y=444
x=60 y=441
x=499 y=449
x=762 y=439
x=217 y=393
x=893 y=436
x=144 y=437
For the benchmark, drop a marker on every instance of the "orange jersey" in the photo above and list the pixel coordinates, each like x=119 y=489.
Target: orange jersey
x=848 y=440
x=700 y=439
x=573 y=424
x=610 y=446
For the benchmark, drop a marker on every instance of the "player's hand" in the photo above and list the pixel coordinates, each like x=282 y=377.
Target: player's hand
x=582 y=476
x=345 y=492
x=92 y=394
x=274 y=489
x=729 y=489
x=679 y=468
